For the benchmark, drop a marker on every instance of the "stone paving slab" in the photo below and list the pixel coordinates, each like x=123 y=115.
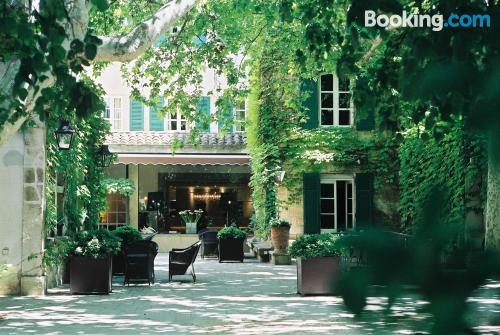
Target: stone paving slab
x=228 y=298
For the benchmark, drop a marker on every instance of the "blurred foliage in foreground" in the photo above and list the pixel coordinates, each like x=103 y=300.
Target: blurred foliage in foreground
x=444 y=272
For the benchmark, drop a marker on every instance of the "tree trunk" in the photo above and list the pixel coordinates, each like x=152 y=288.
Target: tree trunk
x=122 y=48
x=492 y=236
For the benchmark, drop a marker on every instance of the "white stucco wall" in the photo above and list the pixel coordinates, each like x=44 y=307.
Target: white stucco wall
x=115 y=86
x=11 y=207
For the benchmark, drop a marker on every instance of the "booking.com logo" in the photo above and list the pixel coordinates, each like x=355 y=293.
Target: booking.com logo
x=437 y=21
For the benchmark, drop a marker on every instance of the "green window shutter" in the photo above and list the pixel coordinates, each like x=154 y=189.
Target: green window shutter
x=311 y=200
x=311 y=107
x=155 y=121
x=225 y=123
x=203 y=122
x=136 y=116
x=364 y=200
x=365 y=122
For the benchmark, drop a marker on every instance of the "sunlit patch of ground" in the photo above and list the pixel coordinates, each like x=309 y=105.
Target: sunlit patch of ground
x=228 y=298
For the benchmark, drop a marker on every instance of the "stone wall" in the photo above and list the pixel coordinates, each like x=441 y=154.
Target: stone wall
x=22 y=178
x=32 y=276
x=293 y=213
x=11 y=208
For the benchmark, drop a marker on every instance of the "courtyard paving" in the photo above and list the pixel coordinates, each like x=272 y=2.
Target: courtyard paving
x=228 y=298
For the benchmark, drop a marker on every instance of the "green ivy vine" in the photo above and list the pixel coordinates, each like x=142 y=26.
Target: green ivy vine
x=76 y=170
x=121 y=186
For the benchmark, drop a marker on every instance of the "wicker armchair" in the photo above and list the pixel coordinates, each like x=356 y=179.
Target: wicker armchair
x=209 y=243
x=181 y=261
x=139 y=262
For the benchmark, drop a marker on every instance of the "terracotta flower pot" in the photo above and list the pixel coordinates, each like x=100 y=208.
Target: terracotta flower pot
x=280 y=237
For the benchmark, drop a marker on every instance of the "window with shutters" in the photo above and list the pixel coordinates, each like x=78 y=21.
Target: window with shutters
x=113 y=112
x=336 y=203
x=240 y=113
x=336 y=108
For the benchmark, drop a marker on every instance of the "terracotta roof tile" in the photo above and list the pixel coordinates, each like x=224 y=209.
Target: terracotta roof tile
x=167 y=138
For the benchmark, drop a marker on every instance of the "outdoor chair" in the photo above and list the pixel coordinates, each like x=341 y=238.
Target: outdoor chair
x=209 y=243
x=181 y=261
x=139 y=262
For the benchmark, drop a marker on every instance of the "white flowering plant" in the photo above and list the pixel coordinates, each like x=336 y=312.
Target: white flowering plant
x=94 y=243
x=191 y=216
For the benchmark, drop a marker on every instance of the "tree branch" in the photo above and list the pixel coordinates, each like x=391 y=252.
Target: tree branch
x=124 y=48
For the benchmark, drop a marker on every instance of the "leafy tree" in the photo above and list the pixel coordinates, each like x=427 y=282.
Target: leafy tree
x=47 y=43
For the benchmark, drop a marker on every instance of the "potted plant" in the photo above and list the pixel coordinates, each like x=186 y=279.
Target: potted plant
x=280 y=234
x=127 y=234
x=90 y=261
x=191 y=219
x=231 y=244
x=318 y=263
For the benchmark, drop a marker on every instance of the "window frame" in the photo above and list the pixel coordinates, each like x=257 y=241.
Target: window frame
x=107 y=212
x=114 y=111
x=178 y=121
x=336 y=103
x=239 y=126
x=333 y=179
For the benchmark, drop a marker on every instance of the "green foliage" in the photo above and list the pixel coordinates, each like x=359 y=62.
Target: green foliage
x=36 y=40
x=94 y=243
x=316 y=245
x=454 y=163
x=55 y=253
x=76 y=169
x=279 y=223
x=121 y=186
x=127 y=234
x=231 y=233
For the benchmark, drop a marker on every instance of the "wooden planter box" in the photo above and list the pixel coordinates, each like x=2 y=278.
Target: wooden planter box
x=318 y=276
x=119 y=263
x=90 y=276
x=231 y=250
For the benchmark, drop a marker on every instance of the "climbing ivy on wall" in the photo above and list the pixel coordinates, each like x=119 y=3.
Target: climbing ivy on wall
x=454 y=164
x=84 y=193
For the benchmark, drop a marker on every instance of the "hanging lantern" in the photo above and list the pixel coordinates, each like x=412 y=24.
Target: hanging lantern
x=64 y=135
x=104 y=156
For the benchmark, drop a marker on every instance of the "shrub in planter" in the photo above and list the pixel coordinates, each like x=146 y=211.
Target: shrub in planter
x=318 y=263
x=90 y=261
x=127 y=235
x=231 y=244
x=280 y=234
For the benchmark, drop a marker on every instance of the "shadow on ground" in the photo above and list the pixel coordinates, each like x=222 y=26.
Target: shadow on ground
x=228 y=298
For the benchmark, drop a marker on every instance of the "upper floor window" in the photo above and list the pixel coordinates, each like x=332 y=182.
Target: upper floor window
x=240 y=113
x=176 y=122
x=113 y=112
x=336 y=107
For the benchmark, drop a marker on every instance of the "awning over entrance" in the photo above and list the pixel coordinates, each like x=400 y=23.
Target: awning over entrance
x=183 y=159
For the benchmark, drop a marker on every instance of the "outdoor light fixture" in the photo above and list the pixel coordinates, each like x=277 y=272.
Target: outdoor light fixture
x=64 y=135
x=104 y=157
x=207 y=196
x=280 y=175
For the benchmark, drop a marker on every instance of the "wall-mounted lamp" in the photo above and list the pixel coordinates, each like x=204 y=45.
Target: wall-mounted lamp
x=64 y=135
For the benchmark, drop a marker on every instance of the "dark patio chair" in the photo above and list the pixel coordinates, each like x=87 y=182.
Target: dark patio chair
x=139 y=262
x=181 y=261
x=209 y=243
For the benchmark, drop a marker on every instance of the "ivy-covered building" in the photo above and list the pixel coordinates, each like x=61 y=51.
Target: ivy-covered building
x=339 y=189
